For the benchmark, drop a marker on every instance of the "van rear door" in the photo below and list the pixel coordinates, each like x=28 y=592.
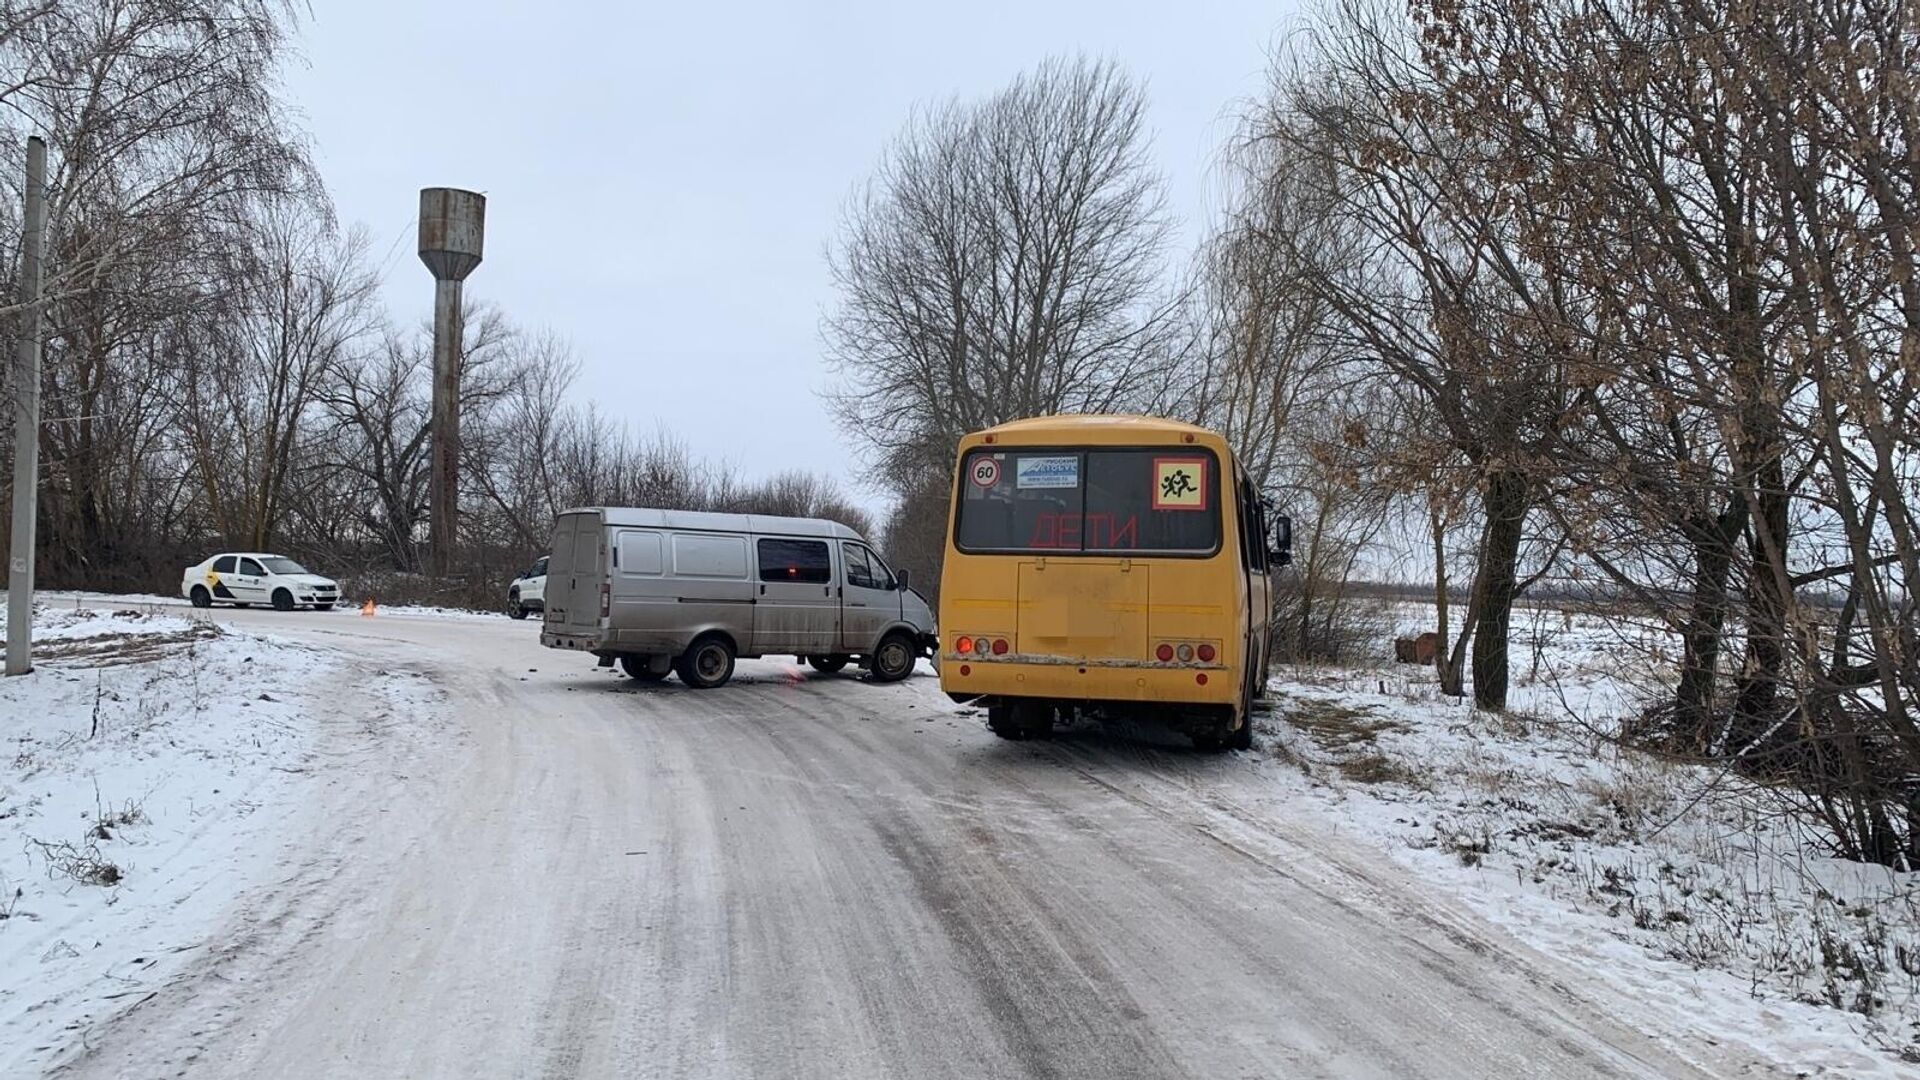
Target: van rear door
x=575 y=572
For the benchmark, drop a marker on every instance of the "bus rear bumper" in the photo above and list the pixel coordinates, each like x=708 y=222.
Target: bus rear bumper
x=1163 y=685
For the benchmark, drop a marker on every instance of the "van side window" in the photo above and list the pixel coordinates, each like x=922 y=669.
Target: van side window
x=226 y=564
x=865 y=569
x=640 y=553
x=795 y=560
x=722 y=557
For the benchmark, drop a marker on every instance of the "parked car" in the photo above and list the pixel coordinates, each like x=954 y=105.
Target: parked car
x=245 y=578
x=671 y=590
x=528 y=591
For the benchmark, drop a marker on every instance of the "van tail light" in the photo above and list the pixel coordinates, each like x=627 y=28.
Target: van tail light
x=606 y=599
x=1000 y=646
x=1164 y=653
x=1206 y=653
x=963 y=645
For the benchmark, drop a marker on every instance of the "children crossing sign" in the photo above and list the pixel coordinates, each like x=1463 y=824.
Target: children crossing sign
x=1179 y=483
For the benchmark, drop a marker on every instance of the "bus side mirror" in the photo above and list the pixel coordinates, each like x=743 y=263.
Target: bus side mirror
x=1281 y=553
x=903 y=579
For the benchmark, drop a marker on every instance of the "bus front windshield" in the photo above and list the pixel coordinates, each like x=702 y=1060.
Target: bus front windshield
x=1159 y=500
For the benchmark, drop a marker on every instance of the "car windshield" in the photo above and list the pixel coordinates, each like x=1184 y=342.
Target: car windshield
x=278 y=565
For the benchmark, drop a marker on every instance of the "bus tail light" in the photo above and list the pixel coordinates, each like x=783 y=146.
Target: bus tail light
x=1200 y=679
x=963 y=645
x=999 y=646
x=1206 y=653
x=1184 y=653
x=980 y=646
x=1164 y=652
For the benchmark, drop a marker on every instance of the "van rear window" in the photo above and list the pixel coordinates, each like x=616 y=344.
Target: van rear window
x=1089 y=501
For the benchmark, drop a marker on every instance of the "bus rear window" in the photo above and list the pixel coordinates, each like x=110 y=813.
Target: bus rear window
x=1163 y=499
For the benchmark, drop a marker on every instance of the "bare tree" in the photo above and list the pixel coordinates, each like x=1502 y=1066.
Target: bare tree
x=300 y=307
x=1435 y=294
x=1002 y=262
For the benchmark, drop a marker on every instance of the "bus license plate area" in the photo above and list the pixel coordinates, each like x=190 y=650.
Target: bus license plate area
x=1082 y=610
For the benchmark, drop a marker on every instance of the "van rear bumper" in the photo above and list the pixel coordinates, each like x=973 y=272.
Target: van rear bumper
x=593 y=641
x=1145 y=684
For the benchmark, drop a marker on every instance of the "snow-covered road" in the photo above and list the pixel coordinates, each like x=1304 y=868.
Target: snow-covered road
x=806 y=876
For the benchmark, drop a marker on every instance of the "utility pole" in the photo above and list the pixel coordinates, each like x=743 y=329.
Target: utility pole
x=452 y=223
x=26 y=418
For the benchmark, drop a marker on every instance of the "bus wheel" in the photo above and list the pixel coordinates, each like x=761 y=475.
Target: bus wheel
x=639 y=668
x=1021 y=721
x=1242 y=739
x=707 y=664
x=893 y=660
x=826 y=665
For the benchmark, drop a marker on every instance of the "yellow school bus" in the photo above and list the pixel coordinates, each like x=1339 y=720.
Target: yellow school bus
x=1110 y=565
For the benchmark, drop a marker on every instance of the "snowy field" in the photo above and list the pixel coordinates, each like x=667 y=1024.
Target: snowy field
x=1681 y=886
x=150 y=770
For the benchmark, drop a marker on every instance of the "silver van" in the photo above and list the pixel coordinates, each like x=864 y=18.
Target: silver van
x=679 y=591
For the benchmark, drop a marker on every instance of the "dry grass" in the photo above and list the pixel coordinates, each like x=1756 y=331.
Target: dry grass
x=115 y=649
x=1350 y=737
x=1337 y=727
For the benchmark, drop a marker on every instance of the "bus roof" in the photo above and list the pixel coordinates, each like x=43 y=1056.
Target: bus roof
x=1097 y=427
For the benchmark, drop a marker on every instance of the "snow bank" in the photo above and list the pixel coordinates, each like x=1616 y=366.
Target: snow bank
x=146 y=768
x=1683 y=887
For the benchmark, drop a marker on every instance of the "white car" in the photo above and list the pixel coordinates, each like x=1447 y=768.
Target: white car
x=245 y=578
x=528 y=591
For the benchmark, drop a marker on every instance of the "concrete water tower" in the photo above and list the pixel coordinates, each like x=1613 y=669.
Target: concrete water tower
x=452 y=223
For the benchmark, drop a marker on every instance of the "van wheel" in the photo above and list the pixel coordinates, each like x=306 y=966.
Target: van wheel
x=640 y=669
x=826 y=665
x=893 y=660
x=200 y=597
x=709 y=663
x=515 y=609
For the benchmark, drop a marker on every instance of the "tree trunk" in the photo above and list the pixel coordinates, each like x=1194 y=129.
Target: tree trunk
x=1506 y=513
x=1693 y=698
x=1446 y=661
x=1766 y=603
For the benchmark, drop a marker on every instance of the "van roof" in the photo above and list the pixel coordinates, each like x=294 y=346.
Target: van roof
x=703 y=521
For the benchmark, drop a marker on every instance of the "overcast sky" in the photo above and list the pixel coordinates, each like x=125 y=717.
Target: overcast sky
x=661 y=179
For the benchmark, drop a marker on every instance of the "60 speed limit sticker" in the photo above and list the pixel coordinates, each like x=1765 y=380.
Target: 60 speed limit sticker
x=985 y=472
